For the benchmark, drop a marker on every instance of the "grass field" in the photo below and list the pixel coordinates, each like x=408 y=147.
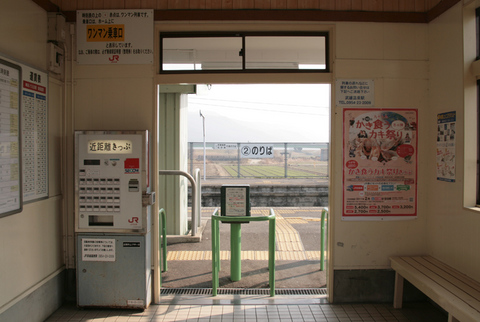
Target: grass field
x=272 y=171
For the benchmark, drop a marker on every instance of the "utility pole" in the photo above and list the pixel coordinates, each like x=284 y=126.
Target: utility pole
x=204 y=148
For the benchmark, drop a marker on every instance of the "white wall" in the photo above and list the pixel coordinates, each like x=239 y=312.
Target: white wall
x=118 y=97
x=31 y=241
x=401 y=58
x=395 y=56
x=453 y=232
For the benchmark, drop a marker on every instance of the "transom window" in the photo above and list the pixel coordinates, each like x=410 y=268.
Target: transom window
x=243 y=52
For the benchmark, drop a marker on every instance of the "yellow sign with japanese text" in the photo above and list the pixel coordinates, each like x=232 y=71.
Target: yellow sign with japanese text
x=105 y=33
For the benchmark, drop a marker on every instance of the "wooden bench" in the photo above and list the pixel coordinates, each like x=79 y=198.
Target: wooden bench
x=455 y=292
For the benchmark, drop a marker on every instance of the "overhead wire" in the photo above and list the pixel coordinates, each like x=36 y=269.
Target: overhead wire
x=258 y=109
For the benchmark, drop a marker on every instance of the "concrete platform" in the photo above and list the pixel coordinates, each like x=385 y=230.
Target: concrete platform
x=297 y=254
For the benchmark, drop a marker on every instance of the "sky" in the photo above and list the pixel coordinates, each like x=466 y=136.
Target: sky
x=260 y=113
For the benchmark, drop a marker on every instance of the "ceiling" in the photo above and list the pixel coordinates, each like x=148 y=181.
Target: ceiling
x=400 y=11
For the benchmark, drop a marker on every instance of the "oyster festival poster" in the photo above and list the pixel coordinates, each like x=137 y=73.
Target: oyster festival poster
x=380 y=148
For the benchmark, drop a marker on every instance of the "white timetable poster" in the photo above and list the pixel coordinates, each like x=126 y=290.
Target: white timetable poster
x=10 y=153
x=34 y=134
x=33 y=130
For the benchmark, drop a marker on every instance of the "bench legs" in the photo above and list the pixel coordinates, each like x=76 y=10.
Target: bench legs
x=398 y=294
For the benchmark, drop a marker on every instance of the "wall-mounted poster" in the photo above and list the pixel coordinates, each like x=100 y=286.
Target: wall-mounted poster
x=34 y=134
x=10 y=149
x=355 y=92
x=34 y=131
x=115 y=36
x=446 y=146
x=380 y=164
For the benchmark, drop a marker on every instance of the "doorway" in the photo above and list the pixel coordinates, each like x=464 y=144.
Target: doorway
x=292 y=120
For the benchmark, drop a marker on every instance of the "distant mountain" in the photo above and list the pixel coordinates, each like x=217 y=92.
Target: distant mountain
x=223 y=129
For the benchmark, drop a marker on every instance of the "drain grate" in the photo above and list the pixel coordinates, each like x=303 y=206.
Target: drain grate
x=243 y=291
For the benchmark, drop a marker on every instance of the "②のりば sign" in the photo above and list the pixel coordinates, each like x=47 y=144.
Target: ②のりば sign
x=256 y=151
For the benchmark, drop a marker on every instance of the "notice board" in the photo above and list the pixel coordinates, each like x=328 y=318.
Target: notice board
x=380 y=164
x=33 y=131
x=114 y=37
x=446 y=156
x=10 y=140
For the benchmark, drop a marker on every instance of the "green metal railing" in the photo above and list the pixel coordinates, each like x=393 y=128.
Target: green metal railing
x=322 y=238
x=163 y=241
x=235 y=252
x=235 y=244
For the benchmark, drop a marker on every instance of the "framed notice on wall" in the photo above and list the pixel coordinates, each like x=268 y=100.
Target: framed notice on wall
x=380 y=164
x=33 y=116
x=115 y=37
x=34 y=133
x=10 y=151
x=446 y=133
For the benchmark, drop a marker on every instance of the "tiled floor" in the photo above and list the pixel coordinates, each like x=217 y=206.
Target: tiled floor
x=257 y=308
x=421 y=312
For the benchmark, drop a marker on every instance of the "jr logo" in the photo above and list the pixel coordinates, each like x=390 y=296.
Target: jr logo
x=133 y=220
x=114 y=58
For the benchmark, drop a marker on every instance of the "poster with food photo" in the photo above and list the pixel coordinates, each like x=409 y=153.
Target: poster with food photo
x=380 y=164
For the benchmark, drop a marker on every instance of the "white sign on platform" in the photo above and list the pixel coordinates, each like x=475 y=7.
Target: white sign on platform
x=256 y=151
x=115 y=36
x=355 y=92
x=225 y=146
x=236 y=201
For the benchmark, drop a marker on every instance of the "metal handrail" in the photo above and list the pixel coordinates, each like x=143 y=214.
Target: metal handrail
x=163 y=220
x=322 y=238
x=198 y=180
x=216 y=245
x=194 y=194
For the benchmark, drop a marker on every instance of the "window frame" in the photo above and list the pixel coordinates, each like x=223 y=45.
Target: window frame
x=477 y=31
x=243 y=51
x=478 y=142
x=477 y=34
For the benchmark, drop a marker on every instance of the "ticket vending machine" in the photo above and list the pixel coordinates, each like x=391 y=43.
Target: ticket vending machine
x=113 y=218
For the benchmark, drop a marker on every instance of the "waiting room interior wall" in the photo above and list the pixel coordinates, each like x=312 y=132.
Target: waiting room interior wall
x=31 y=241
x=120 y=97
x=117 y=97
x=395 y=56
x=453 y=231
